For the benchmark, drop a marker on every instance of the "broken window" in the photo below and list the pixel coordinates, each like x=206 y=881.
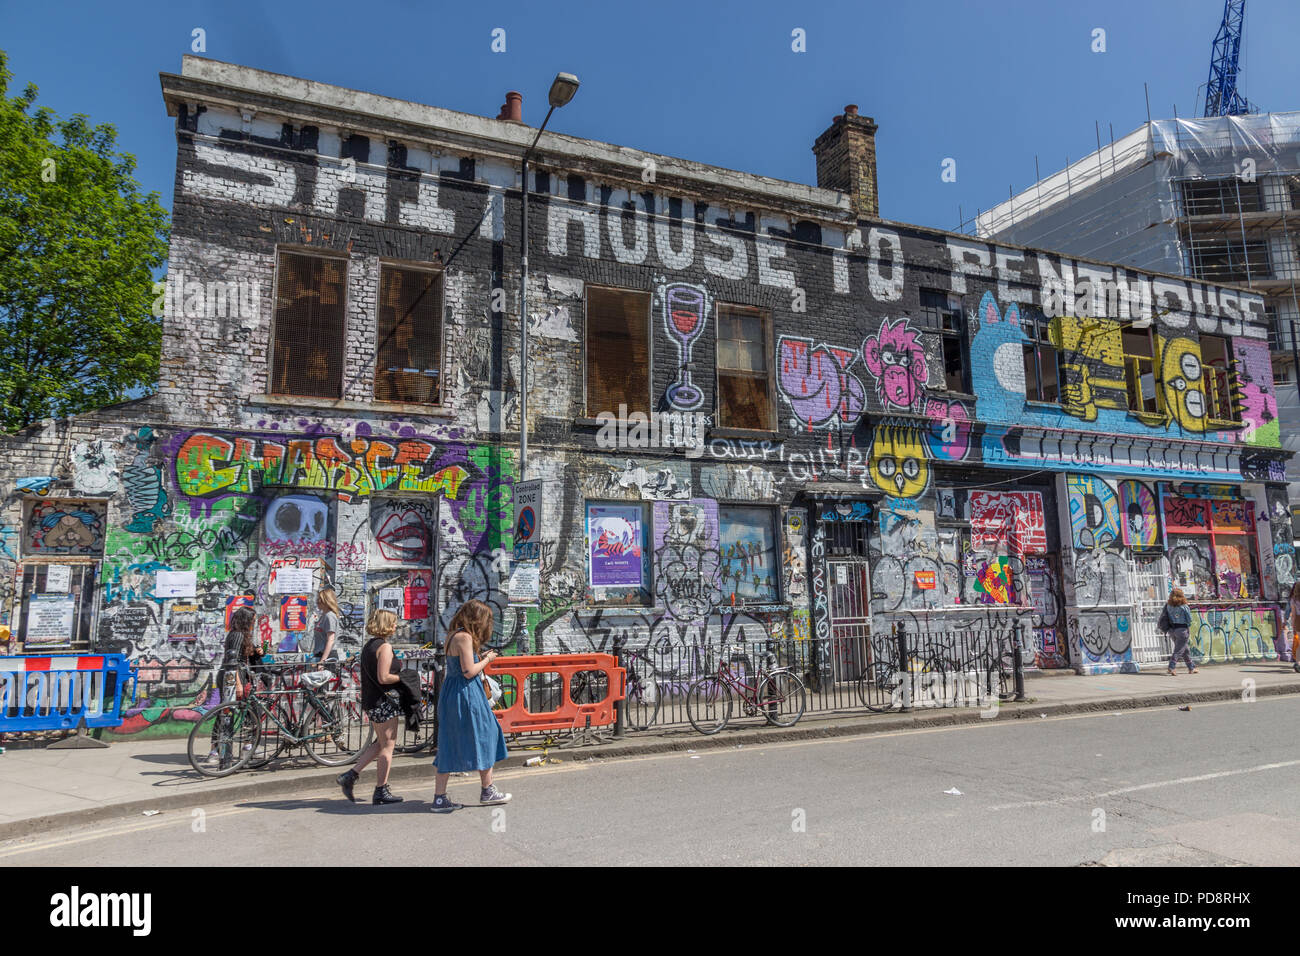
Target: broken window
x=618 y=351
x=408 y=349
x=1220 y=380
x=309 y=328
x=744 y=385
x=942 y=313
x=1140 y=368
x=1042 y=372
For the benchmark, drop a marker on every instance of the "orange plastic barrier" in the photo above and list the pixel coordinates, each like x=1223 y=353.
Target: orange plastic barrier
x=517 y=719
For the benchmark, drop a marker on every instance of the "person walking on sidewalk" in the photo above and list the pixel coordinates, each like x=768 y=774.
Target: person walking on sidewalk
x=1176 y=621
x=1293 y=614
x=238 y=657
x=381 y=705
x=469 y=736
x=325 y=636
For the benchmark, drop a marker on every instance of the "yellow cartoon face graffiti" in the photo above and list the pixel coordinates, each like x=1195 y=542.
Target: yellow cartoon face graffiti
x=1184 y=383
x=898 y=466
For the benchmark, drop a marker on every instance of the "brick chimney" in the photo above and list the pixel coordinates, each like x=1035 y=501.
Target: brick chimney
x=513 y=108
x=846 y=161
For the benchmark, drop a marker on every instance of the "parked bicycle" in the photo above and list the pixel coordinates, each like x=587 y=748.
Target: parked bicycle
x=777 y=694
x=643 y=692
x=316 y=714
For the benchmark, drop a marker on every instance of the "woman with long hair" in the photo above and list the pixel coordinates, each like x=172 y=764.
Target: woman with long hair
x=469 y=736
x=381 y=706
x=238 y=657
x=327 y=626
x=1176 y=621
x=1293 y=612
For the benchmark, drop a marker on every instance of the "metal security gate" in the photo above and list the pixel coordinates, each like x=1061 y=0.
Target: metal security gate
x=1149 y=584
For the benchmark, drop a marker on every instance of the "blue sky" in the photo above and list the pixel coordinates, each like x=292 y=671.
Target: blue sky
x=989 y=85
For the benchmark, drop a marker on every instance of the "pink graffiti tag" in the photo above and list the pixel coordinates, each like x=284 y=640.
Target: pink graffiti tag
x=895 y=357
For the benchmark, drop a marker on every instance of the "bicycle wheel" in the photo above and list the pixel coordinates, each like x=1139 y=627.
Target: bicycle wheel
x=335 y=732
x=224 y=738
x=641 y=709
x=708 y=704
x=781 y=698
x=271 y=740
x=876 y=687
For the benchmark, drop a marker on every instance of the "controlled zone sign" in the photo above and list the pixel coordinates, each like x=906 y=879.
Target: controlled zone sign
x=528 y=520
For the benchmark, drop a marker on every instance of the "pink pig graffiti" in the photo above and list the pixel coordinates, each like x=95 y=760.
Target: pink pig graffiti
x=895 y=358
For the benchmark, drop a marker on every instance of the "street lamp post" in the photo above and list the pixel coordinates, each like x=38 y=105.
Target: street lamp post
x=562 y=89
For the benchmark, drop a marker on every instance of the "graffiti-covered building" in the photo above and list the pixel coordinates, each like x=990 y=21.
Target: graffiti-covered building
x=756 y=409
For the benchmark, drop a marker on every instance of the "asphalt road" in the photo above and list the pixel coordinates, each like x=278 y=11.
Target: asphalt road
x=1215 y=785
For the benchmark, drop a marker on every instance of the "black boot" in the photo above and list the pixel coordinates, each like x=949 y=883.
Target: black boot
x=383 y=795
x=347 y=781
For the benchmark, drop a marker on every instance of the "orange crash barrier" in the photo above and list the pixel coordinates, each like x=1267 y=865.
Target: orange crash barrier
x=549 y=692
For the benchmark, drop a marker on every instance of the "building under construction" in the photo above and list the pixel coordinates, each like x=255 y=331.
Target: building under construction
x=1217 y=199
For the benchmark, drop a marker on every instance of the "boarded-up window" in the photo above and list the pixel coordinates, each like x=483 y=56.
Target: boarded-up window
x=408 y=364
x=309 y=300
x=744 y=391
x=618 y=351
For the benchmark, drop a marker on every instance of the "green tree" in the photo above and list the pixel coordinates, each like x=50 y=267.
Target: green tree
x=78 y=243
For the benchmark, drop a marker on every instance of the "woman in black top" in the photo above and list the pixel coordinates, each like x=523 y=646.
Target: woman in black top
x=237 y=659
x=381 y=707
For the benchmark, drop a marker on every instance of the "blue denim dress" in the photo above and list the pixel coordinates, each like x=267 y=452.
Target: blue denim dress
x=469 y=736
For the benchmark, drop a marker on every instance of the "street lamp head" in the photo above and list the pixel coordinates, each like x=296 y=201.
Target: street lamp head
x=562 y=89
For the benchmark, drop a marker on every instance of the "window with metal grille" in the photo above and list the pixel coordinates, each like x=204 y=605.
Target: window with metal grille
x=1229 y=260
x=618 y=350
x=309 y=328
x=1220 y=197
x=408 y=352
x=1042 y=372
x=942 y=313
x=744 y=378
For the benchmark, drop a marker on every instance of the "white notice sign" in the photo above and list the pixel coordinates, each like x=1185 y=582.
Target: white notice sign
x=175 y=584
x=58 y=579
x=294 y=581
x=49 y=620
x=525 y=584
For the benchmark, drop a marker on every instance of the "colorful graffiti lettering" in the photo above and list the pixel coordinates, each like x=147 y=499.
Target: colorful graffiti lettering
x=209 y=465
x=1008 y=521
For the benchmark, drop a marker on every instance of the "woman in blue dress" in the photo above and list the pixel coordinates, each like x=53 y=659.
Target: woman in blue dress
x=469 y=736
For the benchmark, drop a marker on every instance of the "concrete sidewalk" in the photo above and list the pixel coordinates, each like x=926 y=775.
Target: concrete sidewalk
x=44 y=789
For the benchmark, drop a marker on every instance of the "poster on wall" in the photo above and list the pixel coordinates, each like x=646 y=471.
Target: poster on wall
x=390 y=599
x=293 y=613
x=235 y=603
x=58 y=579
x=415 y=603
x=614 y=545
x=183 y=623
x=49 y=620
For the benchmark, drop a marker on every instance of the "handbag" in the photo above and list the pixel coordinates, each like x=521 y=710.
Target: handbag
x=492 y=688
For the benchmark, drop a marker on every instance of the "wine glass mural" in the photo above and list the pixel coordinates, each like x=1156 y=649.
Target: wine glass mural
x=686 y=309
